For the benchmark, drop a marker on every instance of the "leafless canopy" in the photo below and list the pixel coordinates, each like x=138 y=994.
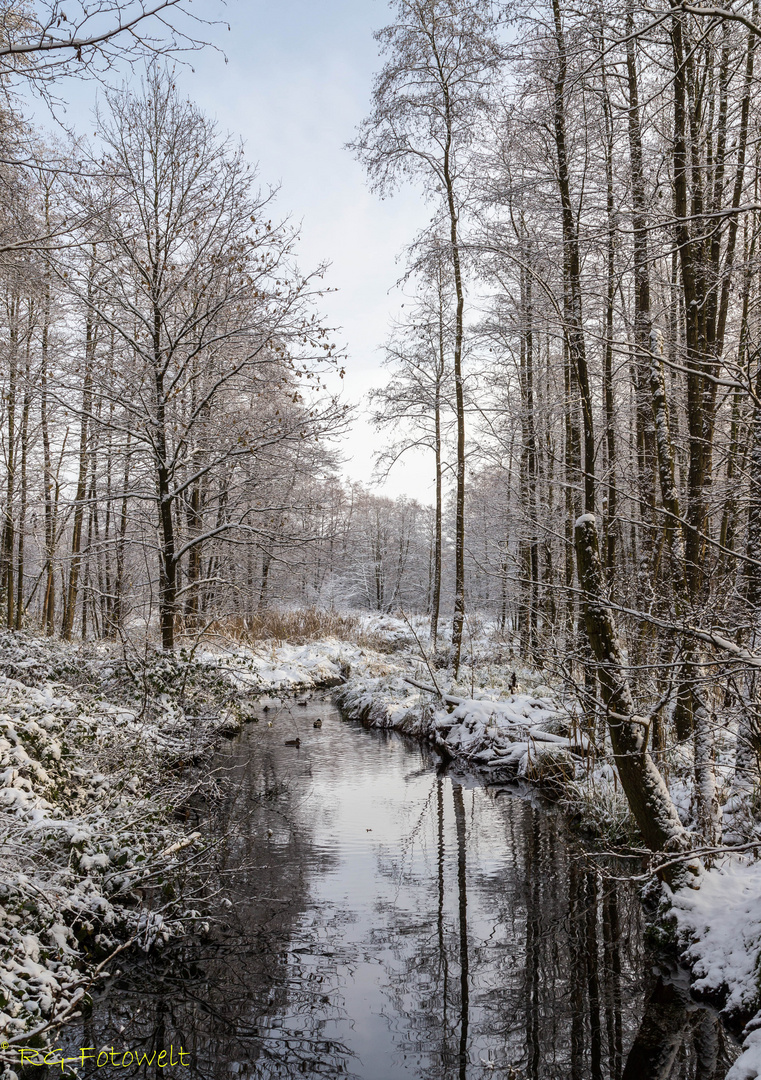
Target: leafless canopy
x=43 y=40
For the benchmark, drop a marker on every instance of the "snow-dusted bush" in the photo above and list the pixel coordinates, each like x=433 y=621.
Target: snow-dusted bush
x=599 y=806
x=549 y=765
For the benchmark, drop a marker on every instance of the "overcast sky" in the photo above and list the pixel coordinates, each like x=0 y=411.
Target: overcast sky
x=293 y=79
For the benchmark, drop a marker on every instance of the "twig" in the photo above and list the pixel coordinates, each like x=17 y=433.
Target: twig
x=683 y=856
x=423 y=654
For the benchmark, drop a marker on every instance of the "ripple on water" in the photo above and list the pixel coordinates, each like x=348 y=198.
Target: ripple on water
x=391 y=921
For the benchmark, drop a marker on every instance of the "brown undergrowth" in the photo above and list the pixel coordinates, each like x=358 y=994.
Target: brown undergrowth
x=297 y=627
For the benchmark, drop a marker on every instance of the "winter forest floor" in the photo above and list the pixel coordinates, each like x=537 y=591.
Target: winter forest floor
x=103 y=749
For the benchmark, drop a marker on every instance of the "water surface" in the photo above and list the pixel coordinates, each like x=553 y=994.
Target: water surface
x=390 y=920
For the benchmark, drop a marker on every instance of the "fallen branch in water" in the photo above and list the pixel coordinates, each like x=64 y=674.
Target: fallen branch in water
x=581 y=742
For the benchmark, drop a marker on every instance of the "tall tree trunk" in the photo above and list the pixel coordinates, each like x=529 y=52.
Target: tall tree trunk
x=573 y=314
x=572 y=461
x=194 y=517
x=48 y=607
x=528 y=465
x=646 y=791
x=165 y=499
x=644 y=337
x=121 y=541
x=610 y=524
x=437 y=448
x=574 y=329
x=706 y=287
x=264 y=582
x=70 y=603
x=9 y=528
x=458 y=620
x=25 y=410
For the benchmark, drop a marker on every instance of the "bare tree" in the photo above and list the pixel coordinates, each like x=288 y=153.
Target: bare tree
x=426 y=105
x=215 y=324
x=419 y=395
x=42 y=42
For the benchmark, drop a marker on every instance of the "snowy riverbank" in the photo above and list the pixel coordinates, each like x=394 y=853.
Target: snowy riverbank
x=99 y=755
x=517 y=726
x=528 y=733
x=719 y=926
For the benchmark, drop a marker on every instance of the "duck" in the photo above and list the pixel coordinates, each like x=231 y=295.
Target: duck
x=293 y=742
x=317 y=723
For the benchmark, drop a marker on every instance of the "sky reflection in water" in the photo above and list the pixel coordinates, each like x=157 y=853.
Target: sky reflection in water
x=390 y=922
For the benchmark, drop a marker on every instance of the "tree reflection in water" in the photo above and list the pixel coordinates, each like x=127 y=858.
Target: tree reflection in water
x=242 y=1002
x=389 y=922
x=534 y=958
x=678 y=1040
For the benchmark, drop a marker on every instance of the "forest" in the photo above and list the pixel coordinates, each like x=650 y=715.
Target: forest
x=577 y=609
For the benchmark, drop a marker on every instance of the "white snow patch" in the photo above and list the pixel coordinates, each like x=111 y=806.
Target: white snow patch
x=722 y=922
x=748 y=1065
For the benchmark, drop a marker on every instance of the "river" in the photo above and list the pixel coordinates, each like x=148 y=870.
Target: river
x=390 y=919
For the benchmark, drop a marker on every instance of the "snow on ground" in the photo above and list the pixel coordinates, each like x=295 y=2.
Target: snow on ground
x=721 y=920
x=281 y=668
x=96 y=751
x=748 y=1065
x=720 y=925
x=80 y=825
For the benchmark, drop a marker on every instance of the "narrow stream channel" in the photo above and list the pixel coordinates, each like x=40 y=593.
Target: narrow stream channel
x=392 y=920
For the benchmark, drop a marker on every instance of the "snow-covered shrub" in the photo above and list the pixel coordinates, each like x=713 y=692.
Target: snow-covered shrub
x=97 y=758
x=600 y=808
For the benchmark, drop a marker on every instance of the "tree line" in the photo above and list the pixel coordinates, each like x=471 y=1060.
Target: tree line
x=163 y=359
